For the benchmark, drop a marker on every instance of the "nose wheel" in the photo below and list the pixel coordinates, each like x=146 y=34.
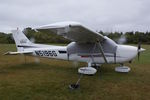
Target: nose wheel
x=122 y=69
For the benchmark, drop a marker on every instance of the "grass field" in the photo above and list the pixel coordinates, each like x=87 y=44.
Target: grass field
x=49 y=79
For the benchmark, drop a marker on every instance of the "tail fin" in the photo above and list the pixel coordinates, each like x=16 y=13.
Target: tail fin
x=20 y=39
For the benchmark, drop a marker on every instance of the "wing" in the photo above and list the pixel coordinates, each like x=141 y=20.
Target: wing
x=73 y=31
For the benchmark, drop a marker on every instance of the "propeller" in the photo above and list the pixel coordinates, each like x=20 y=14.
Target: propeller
x=138 y=50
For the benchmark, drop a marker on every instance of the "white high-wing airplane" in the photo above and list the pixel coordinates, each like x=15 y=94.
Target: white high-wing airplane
x=86 y=46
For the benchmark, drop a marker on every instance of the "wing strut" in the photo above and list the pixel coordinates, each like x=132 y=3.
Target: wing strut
x=93 y=52
x=101 y=50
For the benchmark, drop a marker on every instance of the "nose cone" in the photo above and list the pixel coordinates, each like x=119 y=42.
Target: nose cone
x=141 y=49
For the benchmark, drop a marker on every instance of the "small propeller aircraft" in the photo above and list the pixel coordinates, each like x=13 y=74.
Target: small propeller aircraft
x=86 y=46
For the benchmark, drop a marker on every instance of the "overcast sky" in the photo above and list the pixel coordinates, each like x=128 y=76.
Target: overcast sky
x=106 y=15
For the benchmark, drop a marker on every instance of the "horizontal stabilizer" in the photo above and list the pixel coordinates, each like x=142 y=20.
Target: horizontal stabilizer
x=16 y=53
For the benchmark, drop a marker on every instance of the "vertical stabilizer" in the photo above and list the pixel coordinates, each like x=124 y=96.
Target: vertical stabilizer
x=20 y=39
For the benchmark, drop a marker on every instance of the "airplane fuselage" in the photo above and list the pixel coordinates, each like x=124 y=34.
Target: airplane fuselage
x=124 y=53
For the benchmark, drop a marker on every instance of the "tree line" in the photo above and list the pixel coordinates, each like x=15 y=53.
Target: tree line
x=45 y=37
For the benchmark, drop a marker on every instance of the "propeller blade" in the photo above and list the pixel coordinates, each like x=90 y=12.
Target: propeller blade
x=139 y=48
x=139 y=45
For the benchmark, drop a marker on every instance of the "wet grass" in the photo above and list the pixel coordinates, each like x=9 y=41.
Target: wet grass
x=49 y=79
